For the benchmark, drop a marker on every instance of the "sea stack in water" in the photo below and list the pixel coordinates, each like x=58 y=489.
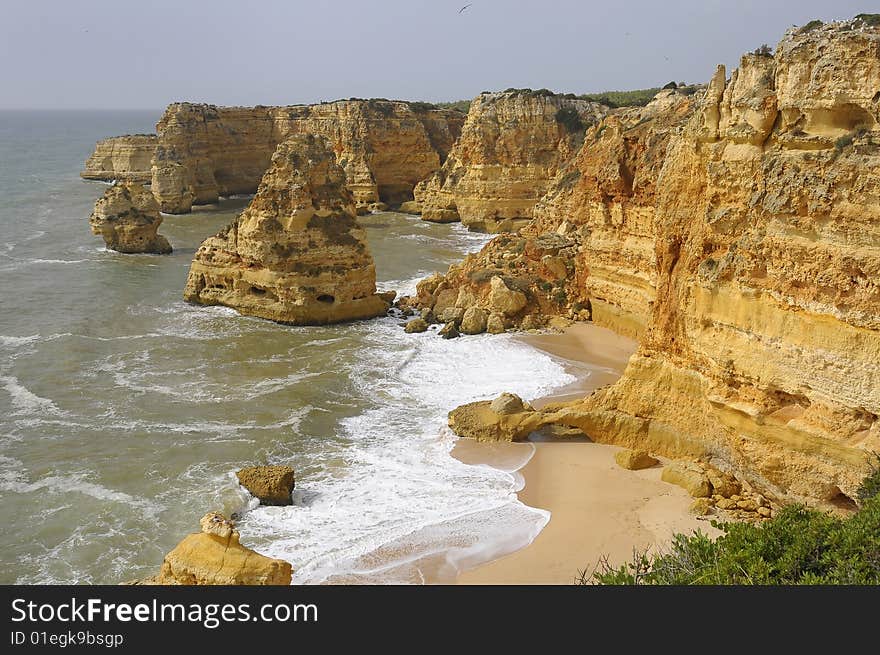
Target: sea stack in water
x=296 y=254
x=214 y=556
x=128 y=218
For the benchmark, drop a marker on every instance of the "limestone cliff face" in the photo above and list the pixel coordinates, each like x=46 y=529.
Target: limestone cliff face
x=296 y=254
x=511 y=147
x=128 y=218
x=590 y=248
x=384 y=147
x=762 y=349
x=736 y=232
x=122 y=158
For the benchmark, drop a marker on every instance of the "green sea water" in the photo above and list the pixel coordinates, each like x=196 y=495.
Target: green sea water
x=124 y=411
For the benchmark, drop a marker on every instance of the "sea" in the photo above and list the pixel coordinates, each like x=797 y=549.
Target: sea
x=125 y=412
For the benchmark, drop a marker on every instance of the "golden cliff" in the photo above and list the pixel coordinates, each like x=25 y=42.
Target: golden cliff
x=296 y=254
x=736 y=232
x=590 y=249
x=124 y=158
x=203 y=152
x=512 y=145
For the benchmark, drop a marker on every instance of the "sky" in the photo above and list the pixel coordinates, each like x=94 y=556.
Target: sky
x=122 y=54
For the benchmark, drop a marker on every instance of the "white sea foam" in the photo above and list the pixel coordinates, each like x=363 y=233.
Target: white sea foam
x=17 y=342
x=399 y=497
x=16 y=482
x=57 y=261
x=24 y=400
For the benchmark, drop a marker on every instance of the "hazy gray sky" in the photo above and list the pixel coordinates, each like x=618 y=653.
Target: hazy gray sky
x=126 y=54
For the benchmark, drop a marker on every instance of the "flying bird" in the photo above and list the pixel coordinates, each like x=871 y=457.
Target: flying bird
x=465 y=7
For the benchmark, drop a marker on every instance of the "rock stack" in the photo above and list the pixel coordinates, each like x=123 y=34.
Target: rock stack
x=296 y=254
x=128 y=218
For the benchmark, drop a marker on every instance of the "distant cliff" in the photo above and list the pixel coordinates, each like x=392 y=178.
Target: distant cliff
x=203 y=151
x=511 y=146
x=124 y=158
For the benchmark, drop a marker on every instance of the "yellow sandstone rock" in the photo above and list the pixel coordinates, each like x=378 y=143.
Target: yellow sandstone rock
x=296 y=254
x=128 y=219
x=216 y=557
x=511 y=147
x=272 y=485
x=634 y=460
x=203 y=152
x=122 y=158
x=689 y=477
x=506 y=418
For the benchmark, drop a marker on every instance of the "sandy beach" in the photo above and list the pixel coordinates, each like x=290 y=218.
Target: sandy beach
x=597 y=508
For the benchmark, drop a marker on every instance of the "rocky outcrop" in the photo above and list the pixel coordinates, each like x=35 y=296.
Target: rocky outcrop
x=634 y=460
x=215 y=556
x=122 y=158
x=589 y=251
x=296 y=254
x=507 y=418
x=511 y=147
x=128 y=218
x=735 y=231
x=203 y=152
x=271 y=485
x=762 y=353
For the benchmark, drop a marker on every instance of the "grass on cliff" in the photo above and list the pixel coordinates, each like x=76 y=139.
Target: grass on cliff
x=798 y=546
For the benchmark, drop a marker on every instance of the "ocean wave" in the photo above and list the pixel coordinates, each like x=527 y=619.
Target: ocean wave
x=17 y=342
x=398 y=496
x=17 y=482
x=24 y=400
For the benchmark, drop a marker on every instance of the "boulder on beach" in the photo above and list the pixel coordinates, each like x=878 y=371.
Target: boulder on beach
x=272 y=485
x=689 y=476
x=634 y=460
x=506 y=418
x=415 y=325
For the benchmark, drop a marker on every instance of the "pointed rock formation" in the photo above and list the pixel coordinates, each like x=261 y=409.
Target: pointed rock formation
x=296 y=254
x=214 y=556
x=128 y=218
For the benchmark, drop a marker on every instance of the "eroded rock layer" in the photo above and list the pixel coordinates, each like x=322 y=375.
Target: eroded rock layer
x=296 y=254
x=128 y=219
x=215 y=556
x=203 y=152
x=762 y=352
x=737 y=232
x=511 y=146
x=122 y=158
x=590 y=248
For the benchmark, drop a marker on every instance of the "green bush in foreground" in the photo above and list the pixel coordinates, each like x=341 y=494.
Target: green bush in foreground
x=799 y=546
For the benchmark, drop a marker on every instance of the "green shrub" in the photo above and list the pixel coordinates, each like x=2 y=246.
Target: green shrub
x=569 y=118
x=458 y=105
x=870 y=486
x=797 y=546
x=763 y=50
x=873 y=20
x=809 y=27
x=421 y=107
